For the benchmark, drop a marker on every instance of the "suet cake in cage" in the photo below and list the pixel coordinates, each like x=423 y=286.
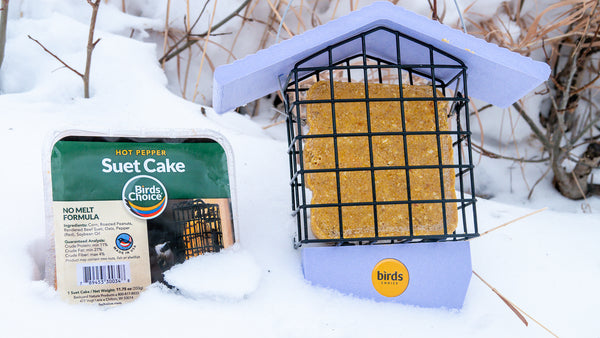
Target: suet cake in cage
x=385 y=152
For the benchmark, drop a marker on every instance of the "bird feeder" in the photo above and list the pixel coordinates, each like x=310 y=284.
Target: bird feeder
x=381 y=169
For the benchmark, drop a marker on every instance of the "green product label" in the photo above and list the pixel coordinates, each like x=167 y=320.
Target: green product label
x=127 y=210
x=88 y=170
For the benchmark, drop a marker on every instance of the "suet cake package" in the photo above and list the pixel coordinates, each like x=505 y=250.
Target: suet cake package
x=123 y=210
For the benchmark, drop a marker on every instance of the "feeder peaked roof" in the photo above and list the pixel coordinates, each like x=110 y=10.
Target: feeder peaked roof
x=495 y=75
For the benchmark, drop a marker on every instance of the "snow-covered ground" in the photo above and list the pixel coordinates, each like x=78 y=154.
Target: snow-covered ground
x=547 y=264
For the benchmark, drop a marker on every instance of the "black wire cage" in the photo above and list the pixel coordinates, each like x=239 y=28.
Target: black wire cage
x=355 y=159
x=200 y=228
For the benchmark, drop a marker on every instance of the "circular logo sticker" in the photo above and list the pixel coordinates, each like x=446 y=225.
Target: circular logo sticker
x=124 y=241
x=390 y=277
x=145 y=197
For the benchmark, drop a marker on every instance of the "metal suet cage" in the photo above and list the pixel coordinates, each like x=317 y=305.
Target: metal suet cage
x=448 y=98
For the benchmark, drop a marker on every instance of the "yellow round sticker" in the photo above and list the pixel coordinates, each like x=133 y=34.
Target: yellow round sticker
x=390 y=277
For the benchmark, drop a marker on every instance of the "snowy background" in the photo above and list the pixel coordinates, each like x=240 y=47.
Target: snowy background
x=547 y=264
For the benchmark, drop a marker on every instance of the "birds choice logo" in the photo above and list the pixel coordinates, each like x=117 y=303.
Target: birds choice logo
x=390 y=277
x=145 y=197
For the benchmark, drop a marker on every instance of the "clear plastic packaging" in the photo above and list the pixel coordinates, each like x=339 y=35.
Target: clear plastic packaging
x=121 y=209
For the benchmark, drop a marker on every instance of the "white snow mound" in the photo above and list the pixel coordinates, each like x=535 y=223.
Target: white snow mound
x=230 y=274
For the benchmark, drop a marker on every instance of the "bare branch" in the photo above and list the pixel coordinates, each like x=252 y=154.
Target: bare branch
x=538 y=133
x=240 y=29
x=186 y=36
x=166 y=34
x=190 y=42
x=512 y=221
x=508 y=303
x=90 y=48
x=212 y=16
x=3 y=22
x=518 y=311
x=282 y=23
x=568 y=32
x=538 y=181
x=56 y=57
x=490 y=154
x=434 y=10
x=585 y=129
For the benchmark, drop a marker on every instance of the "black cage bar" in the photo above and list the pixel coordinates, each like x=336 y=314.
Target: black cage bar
x=200 y=226
x=443 y=73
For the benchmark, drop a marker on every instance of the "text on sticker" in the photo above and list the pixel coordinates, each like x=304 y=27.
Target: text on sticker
x=149 y=165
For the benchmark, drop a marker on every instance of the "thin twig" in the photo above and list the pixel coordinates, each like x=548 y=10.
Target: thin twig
x=187 y=12
x=538 y=181
x=3 y=22
x=187 y=72
x=212 y=17
x=490 y=154
x=273 y=124
x=229 y=17
x=513 y=126
x=314 y=18
x=301 y=27
x=433 y=7
x=166 y=38
x=299 y=16
x=91 y=44
x=276 y=12
x=583 y=131
x=335 y=9
x=579 y=187
x=538 y=133
x=268 y=27
x=485 y=107
x=481 y=137
x=56 y=57
x=517 y=310
x=513 y=221
x=90 y=48
x=574 y=67
x=508 y=303
x=239 y=30
x=228 y=51
x=190 y=43
x=185 y=37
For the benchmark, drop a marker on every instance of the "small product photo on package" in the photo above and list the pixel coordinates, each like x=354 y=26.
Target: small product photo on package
x=123 y=210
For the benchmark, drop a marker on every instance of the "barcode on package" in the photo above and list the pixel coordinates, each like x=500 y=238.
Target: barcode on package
x=103 y=273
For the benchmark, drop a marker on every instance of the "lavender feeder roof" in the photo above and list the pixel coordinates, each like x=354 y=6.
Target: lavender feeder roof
x=495 y=75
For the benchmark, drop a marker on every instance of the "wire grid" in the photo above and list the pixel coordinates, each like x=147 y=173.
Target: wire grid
x=200 y=225
x=442 y=72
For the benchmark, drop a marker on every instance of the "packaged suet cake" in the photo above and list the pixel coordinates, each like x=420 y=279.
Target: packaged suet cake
x=123 y=210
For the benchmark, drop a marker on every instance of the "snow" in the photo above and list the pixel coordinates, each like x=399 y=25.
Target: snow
x=547 y=264
x=230 y=274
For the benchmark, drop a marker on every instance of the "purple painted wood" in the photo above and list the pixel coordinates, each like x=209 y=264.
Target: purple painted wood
x=495 y=75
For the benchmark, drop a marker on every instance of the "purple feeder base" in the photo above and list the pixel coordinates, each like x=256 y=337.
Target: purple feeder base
x=435 y=275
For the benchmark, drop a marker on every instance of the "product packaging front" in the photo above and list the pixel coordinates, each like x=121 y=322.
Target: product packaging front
x=123 y=210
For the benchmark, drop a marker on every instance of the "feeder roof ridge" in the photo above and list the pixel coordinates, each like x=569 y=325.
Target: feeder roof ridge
x=495 y=74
